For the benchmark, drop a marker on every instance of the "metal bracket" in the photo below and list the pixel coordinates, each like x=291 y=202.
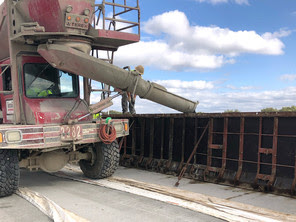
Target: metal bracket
x=32 y=26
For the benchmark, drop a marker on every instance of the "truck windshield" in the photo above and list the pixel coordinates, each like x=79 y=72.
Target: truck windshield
x=42 y=80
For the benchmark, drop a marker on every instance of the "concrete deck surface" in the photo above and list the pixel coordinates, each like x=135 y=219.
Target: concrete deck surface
x=102 y=204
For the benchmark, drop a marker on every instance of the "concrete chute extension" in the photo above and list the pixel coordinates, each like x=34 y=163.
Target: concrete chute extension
x=72 y=60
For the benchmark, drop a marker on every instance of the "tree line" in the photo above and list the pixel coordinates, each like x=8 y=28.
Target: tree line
x=268 y=109
x=283 y=109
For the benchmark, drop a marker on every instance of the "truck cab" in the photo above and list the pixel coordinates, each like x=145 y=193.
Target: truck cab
x=47 y=94
x=45 y=122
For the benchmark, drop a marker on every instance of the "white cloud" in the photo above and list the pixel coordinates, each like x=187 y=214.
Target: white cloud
x=279 y=34
x=246 y=101
x=214 y=2
x=213 y=100
x=288 y=77
x=182 y=46
x=159 y=54
x=240 y=88
x=242 y=2
x=188 y=85
x=202 y=39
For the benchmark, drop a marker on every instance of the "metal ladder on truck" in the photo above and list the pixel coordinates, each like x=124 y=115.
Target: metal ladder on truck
x=118 y=24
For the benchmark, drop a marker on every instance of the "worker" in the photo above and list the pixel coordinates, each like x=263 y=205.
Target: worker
x=128 y=97
x=97 y=116
x=35 y=92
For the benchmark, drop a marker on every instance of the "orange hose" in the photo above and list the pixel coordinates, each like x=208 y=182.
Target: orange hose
x=107 y=138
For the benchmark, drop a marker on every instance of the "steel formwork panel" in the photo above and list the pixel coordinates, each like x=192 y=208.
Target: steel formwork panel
x=255 y=150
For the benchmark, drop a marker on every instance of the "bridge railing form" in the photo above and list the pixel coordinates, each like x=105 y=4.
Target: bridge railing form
x=257 y=150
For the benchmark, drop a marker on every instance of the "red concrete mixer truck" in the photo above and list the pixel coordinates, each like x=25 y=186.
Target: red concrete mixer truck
x=44 y=47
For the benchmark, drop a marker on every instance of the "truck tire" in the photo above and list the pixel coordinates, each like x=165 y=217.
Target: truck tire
x=9 y=172
x=106 y=161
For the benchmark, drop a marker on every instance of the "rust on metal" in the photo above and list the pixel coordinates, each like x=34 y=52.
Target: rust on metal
x=241 y=149
x=274 y=149
x=264 y=152
x=191 y=155
x=224 y=148
x=259 y=176
x=253 y=150
x=209 y=148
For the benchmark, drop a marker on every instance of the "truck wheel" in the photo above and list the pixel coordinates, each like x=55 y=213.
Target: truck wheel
x=104 y=163
x=9 y=172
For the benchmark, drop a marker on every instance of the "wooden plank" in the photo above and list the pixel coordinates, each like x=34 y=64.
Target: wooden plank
x=221 y=208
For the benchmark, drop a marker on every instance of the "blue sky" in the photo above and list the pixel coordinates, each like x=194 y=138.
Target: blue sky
x=227 y=54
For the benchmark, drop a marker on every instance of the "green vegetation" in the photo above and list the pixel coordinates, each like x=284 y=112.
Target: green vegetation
x=231 y=111
x=265 y=110
x=283 y=109
x=288 y=109
x=269 y=109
